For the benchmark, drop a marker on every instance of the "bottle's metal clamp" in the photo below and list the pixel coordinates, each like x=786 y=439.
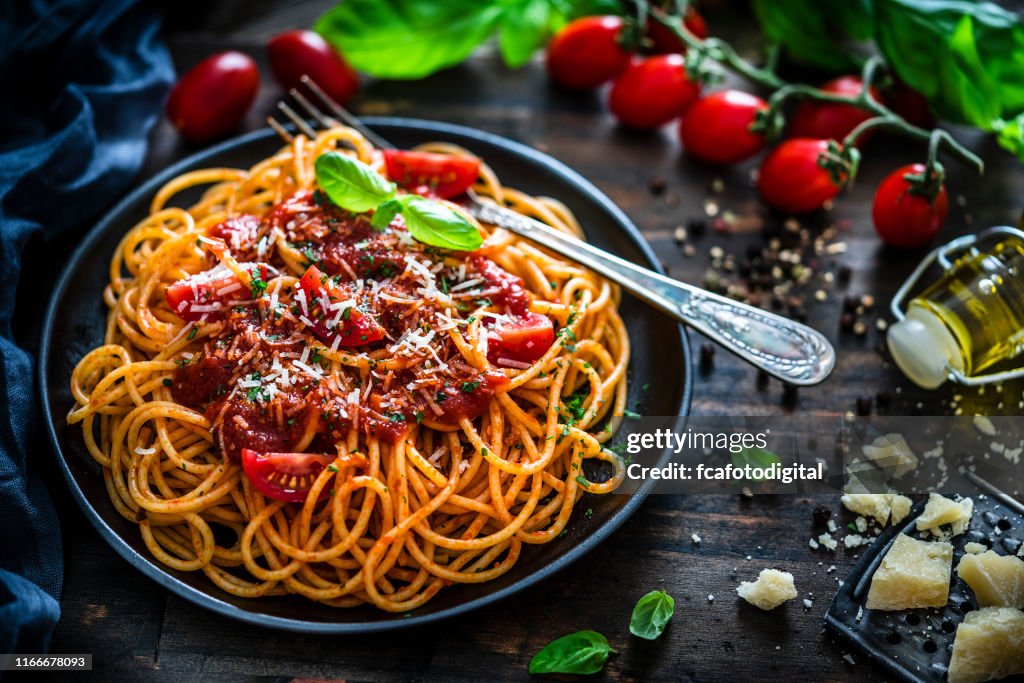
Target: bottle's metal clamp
x=946 y=257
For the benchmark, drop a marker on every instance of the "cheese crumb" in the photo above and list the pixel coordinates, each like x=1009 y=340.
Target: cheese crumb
x=941 y=511
x=984 y=425
x=695 y=538
x=771 y=589
x=973 y=548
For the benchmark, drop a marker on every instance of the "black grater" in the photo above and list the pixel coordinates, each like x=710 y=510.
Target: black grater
x=916 y=644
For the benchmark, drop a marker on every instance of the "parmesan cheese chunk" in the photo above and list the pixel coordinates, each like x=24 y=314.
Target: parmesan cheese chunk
x=997 y=580
x=891 y=451
x=941 y=511
x=989 y=645
x=880 y=506
x=771 y=589
x=912 y=574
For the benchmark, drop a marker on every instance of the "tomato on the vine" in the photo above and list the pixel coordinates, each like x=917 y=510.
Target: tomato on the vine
x=716 y=128
x=904 y=217
x=830 y=120
x=791 y=179
x=212 y=97
x=586 y=53
x=664 y=42
x=652 y=91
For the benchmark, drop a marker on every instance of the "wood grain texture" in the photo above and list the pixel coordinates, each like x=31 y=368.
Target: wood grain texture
x=137 y=631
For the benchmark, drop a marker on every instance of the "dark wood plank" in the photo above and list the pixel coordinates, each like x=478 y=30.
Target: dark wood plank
x=136 y=630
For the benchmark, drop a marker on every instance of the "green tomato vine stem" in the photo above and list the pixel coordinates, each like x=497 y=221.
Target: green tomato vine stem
x=721 y=52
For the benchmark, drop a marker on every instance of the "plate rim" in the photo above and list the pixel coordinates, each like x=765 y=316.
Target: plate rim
x=211 y=602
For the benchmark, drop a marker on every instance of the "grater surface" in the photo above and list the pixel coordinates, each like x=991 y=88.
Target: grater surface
x=916 y=644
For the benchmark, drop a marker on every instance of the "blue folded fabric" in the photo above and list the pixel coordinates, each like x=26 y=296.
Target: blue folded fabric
x=83 y=82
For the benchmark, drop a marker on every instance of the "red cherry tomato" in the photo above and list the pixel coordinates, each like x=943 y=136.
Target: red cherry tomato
x=716 y=128
x=791 y=180
x=904 y=219
x=206 y=296
x=827 y=120
x=586 y=53
x=910 y=104
x=664 y=42
x=523 y=339
x=284 y=476
x=210 y=100
x=652 y=91
x=440 y=175
x=335 y=318
x=294 y=54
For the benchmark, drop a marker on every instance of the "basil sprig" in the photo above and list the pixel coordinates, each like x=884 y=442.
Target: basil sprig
x=652 y=614
x=356 y=187
x=583 y=652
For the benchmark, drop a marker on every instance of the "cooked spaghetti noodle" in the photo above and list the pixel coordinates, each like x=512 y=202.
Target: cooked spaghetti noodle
x=440 y=451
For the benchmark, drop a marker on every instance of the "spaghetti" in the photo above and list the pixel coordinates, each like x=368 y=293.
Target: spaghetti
x=291 y=401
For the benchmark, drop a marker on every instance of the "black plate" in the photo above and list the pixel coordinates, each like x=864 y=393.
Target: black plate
x=75 y=324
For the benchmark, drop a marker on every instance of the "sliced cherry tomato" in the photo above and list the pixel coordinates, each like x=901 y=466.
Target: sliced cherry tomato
x=241 y=234
x=523 y=339
x=294 y=54
x=716 y=128
x=664 y=42
x=333 y=316
x=511 y=288
x=443 y=175
x=903 y=218
x=586 y=53
x=206 y=296
x=469 y=398
x=828 y=120
x=652 y=91
x=284 y=476
x=790 y=178
x=210 y=100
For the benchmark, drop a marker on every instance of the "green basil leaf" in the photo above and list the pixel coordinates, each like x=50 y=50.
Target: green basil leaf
x=583 y=652
x=407 y=38
x=433 y=223
x=575 y=9
x=1010 y=135
x=652 y=614
x=385 y=213
x=816 y=32
x=524 y=29
x=966 y=58
x=755 y=457
x=350 y=183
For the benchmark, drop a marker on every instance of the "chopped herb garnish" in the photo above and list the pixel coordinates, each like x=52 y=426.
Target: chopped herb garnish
x=470 y=387
x=192 y=333
x=168 y=381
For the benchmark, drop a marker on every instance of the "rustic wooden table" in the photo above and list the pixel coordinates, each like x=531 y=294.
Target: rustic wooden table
x=137 y=630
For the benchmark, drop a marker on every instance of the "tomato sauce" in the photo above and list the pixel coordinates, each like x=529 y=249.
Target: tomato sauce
x=263 y=380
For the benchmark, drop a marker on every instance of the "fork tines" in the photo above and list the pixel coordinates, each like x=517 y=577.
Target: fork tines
x=337 y=115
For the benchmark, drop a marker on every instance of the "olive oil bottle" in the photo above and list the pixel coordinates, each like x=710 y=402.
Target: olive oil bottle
x=968 y=320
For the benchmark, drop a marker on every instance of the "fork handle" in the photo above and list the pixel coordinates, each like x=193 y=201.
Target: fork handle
x=783 y=348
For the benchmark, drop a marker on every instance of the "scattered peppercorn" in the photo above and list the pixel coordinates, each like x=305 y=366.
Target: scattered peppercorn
x=822 y=514
x=657 y=185
x=863 y=405
x=707 y=357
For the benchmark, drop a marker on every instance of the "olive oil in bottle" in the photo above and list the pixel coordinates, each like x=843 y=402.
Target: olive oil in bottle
x=969 y=320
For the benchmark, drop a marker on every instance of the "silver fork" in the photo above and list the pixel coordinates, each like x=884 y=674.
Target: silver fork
x=783 y=348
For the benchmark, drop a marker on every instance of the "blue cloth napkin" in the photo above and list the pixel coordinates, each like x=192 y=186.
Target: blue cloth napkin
x=83 y=81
